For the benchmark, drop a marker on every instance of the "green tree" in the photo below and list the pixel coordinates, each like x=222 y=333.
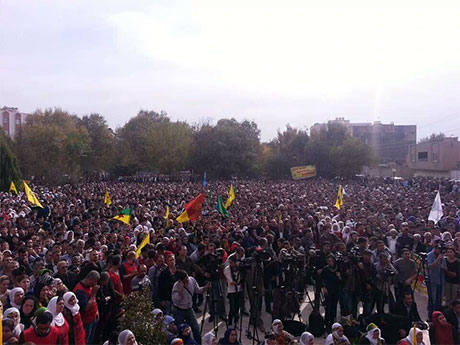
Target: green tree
x=288 y=149
x=52 y=145
x=9 y=170
x=101 y=155
x=349 y=158
x=230 y=148
x=151 y=142
x=138 y=318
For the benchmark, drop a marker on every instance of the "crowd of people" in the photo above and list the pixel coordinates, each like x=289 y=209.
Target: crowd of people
x=66 y=266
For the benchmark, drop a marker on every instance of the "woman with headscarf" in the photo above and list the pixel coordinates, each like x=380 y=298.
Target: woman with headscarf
x=15 y=315
x=4 y=289
x=306 y=338
x=56 y=306
x=442 y=330
x=71 y=312
x=126 y=337
x=282 y=337
x=28 y=307
x=230 y=338
x=16 y=296
x=337 y=337
x=409 y=340
x=372 y=336
x=209 y=339
x=185 y=333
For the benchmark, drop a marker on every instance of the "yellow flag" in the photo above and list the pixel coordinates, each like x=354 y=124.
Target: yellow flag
x=339 y=201
x=31 y=196
x=144 y=242
x=414 y=335
x=183 y=217
x=167 y=213
x=107 y=199
x=231 y=197
x=13 y=188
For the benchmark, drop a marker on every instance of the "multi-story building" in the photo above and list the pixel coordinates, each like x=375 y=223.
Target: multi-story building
x=390 y=142
x=437 y=159
x=12 y=119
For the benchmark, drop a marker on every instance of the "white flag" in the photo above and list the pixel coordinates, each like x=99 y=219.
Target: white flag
x=436 y=209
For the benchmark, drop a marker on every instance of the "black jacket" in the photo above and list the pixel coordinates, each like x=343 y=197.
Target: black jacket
x=412 y=314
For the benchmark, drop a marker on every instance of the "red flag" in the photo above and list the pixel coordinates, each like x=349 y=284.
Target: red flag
x=192 y=210
x=6 y=216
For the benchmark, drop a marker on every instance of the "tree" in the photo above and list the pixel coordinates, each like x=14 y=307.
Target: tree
x=349 y=158
x=151 y=142
x=139 y=319
x=433 y=138
x=230 y=148
x=51 y=145
x=101 y=154
x=9 y=170
x=289 y=149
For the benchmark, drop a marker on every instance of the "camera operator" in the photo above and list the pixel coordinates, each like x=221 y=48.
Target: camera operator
x=385 y=278
x=211 y=264
x=234 y=291
x=331 y=285
x=347 y=266
x=368 y=277
x=319 y=262
x=255 y=287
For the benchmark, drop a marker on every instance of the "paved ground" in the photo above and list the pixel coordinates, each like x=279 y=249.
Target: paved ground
x=305 y=308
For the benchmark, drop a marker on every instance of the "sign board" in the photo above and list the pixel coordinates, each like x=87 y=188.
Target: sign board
x=299 y=173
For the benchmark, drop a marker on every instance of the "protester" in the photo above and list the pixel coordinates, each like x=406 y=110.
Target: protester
x=42 y=333
x=337 y=336
x=442 y=332
x=71 y=312
x=28 y=308
x=8 y=332
x=372 y=336
x=15 y=315
x=209 y=339
x=56 y=307
x=126 y=337
x=306 y=339
x=230 y=338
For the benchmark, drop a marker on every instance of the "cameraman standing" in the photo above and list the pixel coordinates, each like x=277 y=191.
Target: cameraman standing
x=368 y=274
x=385 y=277
x=234 y=293
x=331 y=282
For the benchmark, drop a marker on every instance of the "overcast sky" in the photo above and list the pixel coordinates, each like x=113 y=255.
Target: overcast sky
x=275 y=62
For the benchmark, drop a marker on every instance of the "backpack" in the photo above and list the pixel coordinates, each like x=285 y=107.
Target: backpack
x=316 y=324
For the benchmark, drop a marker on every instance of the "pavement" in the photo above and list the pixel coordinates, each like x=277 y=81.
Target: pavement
x=305 y=310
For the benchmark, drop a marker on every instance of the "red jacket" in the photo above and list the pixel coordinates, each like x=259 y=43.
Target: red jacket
x=51 y=338
x=90 y=314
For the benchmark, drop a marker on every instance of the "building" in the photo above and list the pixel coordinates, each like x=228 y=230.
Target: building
x=436 y=159
x=12 y=120
x=389 y=141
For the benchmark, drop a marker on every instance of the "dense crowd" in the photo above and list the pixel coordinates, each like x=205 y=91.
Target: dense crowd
x=66 y=267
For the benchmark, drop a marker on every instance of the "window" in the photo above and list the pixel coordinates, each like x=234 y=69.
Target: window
x=434 y=157
x=18 y=119
x=422 y=156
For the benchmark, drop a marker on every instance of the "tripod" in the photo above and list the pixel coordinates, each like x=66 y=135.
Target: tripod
x=212 y=298
x=254 y=296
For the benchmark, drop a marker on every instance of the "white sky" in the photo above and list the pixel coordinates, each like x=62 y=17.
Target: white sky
x=275 y=62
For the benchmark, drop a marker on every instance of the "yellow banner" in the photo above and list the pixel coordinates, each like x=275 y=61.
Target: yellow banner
x=299 y=173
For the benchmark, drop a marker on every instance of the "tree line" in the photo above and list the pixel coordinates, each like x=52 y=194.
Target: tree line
x=57 y=146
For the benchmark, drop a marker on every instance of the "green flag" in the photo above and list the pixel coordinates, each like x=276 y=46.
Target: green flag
x=210 y=195
x=221 y=208
x=124 y=216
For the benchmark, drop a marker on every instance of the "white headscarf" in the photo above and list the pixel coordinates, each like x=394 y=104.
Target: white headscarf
x=370 y=336
x=411 y=335
x=58 y=319
x=274 y=327
x=305 y=338
x=74 y=309
x=123 y=337
x=14 y=292
x=208 y=338
x=18 y=326
x=12 y=310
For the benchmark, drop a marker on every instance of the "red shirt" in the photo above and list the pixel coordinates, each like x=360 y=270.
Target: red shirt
x=90 y=314
x=64 y=332
x=117 y=285
x=50 y=339
x=129 y=267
